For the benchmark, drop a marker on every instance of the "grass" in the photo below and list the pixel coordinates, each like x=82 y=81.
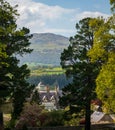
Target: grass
x=6 y=117
x=47 y=71
x=6 y=108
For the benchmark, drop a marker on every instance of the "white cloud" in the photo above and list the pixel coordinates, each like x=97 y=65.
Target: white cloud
x=86 y=14
x=39 y=17
x=36 y=15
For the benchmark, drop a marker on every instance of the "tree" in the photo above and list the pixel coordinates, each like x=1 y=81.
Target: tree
x=35 y=97
x=3 y=56
x=3 y=84
x=103 y=50
x=112 y=2
x=14 y=41
x=106 y=85
x=20 y=89
x=74 y=60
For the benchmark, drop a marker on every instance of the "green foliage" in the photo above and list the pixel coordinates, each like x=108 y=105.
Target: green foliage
x=32 y=115
x=13 y=41
x=103 y=51
x=11 y=124
x=55 y=118
x=3 y=74
x=3 y=54
x=6 y=108
x=50 y=80
x=76 y=63
x=112 y=2
x=74 y=121
x=106 y=85
x=71 y=118
x=48 y=75
x=104 y=39
x=36 y=97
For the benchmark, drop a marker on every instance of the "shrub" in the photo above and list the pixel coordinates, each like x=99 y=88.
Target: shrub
x=55 y=118
x=33 y=115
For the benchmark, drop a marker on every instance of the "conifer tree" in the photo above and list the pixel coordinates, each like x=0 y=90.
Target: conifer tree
x=13 y=41
x=74 y=60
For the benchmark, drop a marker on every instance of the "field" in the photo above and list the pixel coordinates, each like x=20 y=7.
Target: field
x=40 y=70
x=6 y=109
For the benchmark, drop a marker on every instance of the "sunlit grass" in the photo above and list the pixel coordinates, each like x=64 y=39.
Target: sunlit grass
x=6 y=117
x=47 y=71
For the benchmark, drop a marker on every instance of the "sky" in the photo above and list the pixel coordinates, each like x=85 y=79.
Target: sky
x=58 y=16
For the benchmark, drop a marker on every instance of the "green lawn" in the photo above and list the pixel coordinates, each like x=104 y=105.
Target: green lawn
x=47 y=71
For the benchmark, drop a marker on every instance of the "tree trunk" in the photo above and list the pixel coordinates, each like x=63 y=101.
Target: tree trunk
x=87 y=117
x=1 y=121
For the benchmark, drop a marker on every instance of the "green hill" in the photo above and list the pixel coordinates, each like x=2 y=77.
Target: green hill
x=47 y=48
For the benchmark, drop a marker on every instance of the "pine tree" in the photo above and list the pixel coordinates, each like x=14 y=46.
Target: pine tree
x=74 y=60
x=13 y=41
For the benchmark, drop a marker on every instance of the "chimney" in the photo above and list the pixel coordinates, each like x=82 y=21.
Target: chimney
x=57 y=89
x=47 y=89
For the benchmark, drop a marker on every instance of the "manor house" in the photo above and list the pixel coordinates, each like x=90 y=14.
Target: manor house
x=49 y=97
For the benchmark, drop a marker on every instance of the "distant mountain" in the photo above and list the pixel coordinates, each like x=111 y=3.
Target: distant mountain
x=47 y=48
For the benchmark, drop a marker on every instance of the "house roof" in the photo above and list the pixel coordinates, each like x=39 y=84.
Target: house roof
x=100 y=117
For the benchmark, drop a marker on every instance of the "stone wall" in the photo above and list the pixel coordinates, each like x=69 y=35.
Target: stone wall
x=81 y=127
x=57 y=128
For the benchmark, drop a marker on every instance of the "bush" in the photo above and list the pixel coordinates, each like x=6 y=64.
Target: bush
x=55 y=118
x=33 y=115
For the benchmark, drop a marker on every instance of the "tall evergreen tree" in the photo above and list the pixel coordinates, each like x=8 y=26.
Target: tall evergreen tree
x=16 y=41
x=2 y=92
x=74 y=60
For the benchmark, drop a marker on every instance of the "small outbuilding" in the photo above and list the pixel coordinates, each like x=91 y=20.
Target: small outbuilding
x=100 y=117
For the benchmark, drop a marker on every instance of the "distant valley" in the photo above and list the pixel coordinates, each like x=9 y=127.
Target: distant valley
x=47 y=48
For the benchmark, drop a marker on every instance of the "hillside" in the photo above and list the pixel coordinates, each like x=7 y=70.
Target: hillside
x=47 y=48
